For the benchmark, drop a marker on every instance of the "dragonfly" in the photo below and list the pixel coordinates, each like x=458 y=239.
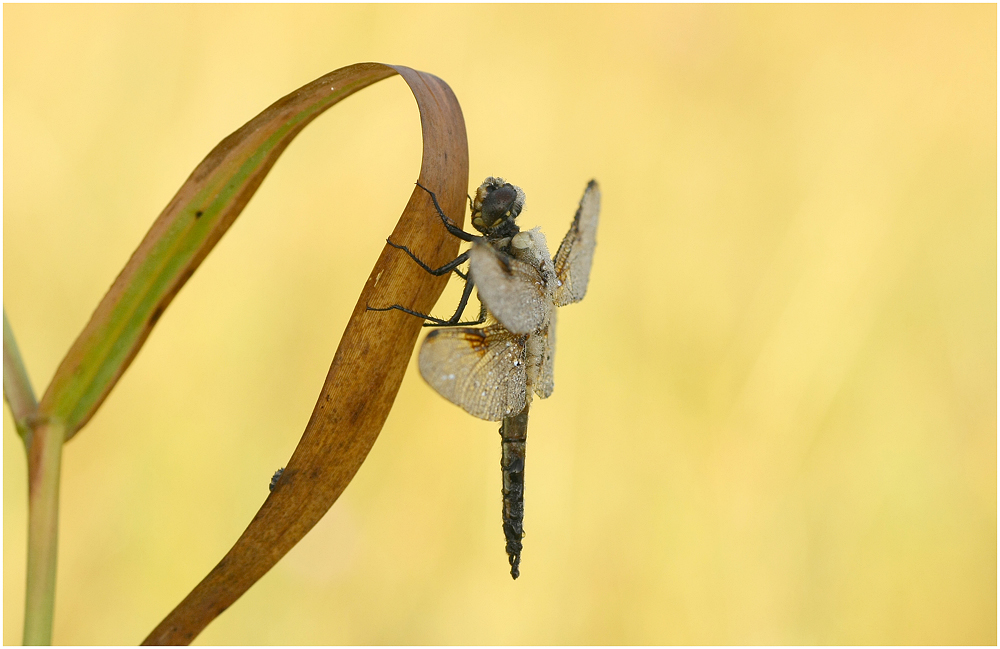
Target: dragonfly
x=495 y=208
x=493 y=371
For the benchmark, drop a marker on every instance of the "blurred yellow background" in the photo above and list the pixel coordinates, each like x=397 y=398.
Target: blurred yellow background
x=775 y=412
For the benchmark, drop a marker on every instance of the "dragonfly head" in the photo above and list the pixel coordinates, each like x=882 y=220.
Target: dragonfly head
x=495 y=207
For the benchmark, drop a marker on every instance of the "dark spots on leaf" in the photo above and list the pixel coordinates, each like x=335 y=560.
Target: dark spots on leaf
x=198 y=214
x=156 y=315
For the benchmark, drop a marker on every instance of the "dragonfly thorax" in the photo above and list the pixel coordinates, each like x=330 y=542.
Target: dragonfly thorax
x=531 y=248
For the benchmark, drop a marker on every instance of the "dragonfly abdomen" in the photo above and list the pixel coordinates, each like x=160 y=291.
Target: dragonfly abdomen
x=513 y=435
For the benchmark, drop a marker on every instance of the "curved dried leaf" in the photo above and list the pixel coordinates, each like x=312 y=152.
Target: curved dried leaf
x=180 y=238
x=369 y=364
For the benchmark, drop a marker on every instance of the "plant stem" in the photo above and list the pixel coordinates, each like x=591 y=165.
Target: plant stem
x=44 y=459
x=43 y=441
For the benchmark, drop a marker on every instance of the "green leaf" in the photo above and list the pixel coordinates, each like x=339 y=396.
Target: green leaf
x=16 y=385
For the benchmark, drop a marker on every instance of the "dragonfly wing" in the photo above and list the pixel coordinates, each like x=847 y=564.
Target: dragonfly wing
x=480 y=370
x=546 y=379
x=513 y=291
x=572 y=260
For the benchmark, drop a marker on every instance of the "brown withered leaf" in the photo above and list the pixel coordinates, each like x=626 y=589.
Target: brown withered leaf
x=369 y=364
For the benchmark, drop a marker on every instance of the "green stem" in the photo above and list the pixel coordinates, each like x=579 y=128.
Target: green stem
x=44 y=459
x=43 y=441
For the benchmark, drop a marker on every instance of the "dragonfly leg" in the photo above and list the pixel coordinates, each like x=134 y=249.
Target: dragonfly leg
x=453 y=321
x=448 y=223
x=480 y=319
x=452 y=266
x=443 y=270
x=423 y=316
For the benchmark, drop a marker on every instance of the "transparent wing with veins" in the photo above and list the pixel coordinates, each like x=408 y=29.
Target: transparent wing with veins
x=514 y=291
x=573 y=259
x=545 y=381
x=481 y=370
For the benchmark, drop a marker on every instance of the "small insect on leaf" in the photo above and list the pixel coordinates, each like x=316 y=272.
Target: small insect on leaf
x=275 y=478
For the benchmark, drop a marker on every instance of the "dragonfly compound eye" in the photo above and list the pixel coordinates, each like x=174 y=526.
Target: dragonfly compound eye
x=500 y=204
